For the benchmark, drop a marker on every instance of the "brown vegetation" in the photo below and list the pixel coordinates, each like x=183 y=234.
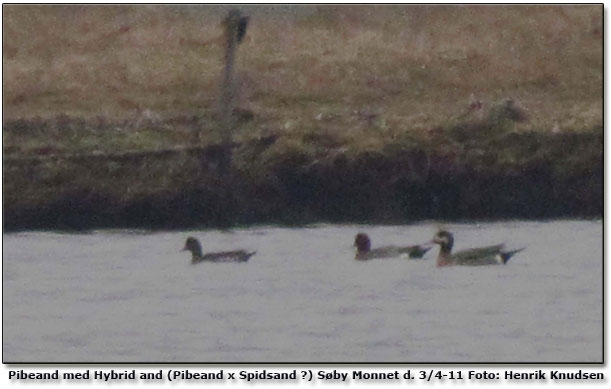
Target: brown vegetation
x=383 y=113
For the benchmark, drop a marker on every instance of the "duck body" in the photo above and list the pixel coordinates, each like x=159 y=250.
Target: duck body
x=364 y=250
x=197 y=256
x=489 y=255
x=224 y=256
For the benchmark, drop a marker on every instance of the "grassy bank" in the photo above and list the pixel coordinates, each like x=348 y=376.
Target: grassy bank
x=377 y=113
x=277 y=180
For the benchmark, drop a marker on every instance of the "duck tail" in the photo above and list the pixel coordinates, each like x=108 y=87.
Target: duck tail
x=508 y=254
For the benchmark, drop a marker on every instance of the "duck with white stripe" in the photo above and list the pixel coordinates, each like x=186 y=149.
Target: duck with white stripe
x=489 y=255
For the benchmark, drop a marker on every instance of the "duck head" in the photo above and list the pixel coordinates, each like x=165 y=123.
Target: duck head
x=362 y=243
x=193 y=246
x=444 y=239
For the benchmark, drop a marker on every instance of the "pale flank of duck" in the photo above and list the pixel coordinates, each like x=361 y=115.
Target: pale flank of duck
x=195 y=248
x=489 y=255
x=364 y=250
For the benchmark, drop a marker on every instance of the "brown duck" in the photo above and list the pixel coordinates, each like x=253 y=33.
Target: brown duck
x=195 y=248
x=364 y=250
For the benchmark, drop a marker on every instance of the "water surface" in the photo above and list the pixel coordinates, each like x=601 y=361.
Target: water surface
x=120 y=296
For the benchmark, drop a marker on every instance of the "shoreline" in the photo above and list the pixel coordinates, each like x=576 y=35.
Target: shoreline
x=510 y=176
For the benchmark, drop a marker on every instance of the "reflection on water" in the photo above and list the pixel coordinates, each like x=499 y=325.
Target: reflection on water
x=116 y=296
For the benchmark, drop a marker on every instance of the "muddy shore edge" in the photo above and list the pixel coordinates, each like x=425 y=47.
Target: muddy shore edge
x=509 y=176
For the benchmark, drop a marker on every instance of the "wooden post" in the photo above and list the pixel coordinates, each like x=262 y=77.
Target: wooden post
x=232 y=23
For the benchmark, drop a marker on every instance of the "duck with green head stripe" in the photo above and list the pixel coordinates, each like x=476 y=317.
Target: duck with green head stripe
x=489 y=255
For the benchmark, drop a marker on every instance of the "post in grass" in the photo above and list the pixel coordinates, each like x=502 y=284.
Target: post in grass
x=235 y=29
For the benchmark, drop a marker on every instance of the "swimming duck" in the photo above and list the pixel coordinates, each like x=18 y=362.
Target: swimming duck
x=364 y=251
x=490 y=255
x=195 y=248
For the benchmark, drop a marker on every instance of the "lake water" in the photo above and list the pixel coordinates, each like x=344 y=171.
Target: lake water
x=125 y=296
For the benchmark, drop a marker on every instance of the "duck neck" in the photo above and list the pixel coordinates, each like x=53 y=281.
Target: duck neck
x=361 y=254
x=196 y=254
x=445 y=255
x=362 y=250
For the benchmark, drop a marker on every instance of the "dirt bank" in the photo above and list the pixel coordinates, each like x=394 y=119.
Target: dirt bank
x=344 y=113
x=273 y=180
